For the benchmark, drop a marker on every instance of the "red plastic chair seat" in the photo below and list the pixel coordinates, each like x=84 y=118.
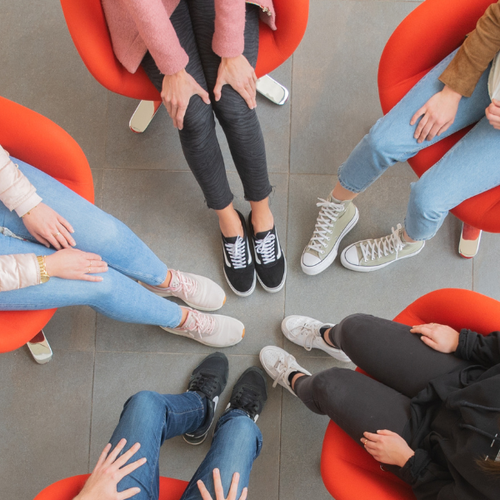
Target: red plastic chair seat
x=348 y=471
x=88 y=29
x=38 y=141
x=424 y=38
x=67 y=489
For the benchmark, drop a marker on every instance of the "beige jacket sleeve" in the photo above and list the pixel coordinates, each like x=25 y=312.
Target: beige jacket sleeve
x=18 y=271
x=478 y=50
x=16 y=191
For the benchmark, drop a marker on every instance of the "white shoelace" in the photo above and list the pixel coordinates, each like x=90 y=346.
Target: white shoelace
x=327 y=217
x=282 y=367
x=199 y=323
x=381 y=247
x=307 y=329
x=237 y=253
x=265 y=248
x=182 y=283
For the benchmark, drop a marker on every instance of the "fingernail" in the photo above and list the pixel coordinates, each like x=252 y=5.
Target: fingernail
x=216 y=471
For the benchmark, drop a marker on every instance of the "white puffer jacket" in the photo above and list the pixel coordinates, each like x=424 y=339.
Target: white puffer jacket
x=16 y=193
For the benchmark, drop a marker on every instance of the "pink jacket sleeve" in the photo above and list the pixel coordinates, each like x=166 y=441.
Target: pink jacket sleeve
x=18 y=271
x=16 y=191
x=153 y=23
x=228 y=40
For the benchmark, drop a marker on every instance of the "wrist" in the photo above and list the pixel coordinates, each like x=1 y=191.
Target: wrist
x=42 y=264
x=406 y=456
x=453 y=94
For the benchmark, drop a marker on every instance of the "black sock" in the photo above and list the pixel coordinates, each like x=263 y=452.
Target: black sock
x=290 y=377
x=322 y=332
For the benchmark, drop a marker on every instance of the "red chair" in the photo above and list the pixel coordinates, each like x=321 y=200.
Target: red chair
x=38 y=141
x=67 y=489
x=431 y=32
x=88 y=29
x=351 y=473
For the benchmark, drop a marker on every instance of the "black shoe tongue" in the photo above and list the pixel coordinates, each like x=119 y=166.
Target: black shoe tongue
x=262 y=235
x=231 y=239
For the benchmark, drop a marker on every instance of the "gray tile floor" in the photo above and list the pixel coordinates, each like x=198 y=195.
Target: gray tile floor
x=55 y=419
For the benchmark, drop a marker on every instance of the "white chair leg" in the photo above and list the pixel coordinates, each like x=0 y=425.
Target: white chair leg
x=273 y=90
x=40 y=348
x=470 y=238
x=143 y=114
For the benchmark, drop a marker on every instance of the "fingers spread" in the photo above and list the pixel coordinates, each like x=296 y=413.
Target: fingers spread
x=234 y=486
x=129 y=493
x=203 y=490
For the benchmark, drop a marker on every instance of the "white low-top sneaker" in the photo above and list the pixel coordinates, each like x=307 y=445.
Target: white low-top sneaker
x=196 y=291
x=279 y=364
x=213 y=330
x=304 y=331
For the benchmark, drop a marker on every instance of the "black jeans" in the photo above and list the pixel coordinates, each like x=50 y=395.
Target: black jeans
x=193 y=21
x=400 y=362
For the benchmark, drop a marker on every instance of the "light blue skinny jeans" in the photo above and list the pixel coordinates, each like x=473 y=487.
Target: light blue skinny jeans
x=117 y=296
x=471 y=167
x=150 y=418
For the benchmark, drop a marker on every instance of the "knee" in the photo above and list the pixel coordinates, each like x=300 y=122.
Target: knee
x=198 y=120
x=424 y=201
x=381 y=141
x=143 y=402
x=244 y=429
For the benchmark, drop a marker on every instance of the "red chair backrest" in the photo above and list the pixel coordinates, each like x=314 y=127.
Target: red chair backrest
x=67 y=489
x=38 y=141
x=348 y=471
x=425 y=37
x=88 y=29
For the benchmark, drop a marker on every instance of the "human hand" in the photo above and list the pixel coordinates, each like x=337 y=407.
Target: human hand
x=387 y=447
x=73 y=264
x=48 y=227
x=441 y=338
x=108 y=472
x=237 y=72
x=177 y=90
x=219 y=492
x=493 y=114
x=438 y=113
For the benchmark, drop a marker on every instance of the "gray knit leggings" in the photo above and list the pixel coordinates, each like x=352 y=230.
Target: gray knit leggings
x=400 y=362
x=193 y=21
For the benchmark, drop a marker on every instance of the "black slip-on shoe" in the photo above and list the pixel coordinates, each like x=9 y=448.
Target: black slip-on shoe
x=239 y=268
x=270 y=261
x=209 y=379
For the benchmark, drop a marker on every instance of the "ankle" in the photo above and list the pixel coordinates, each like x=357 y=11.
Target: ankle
x=293 y=377
x=262 y=221
x=185 y=313
x=230 y=223
x=325 y=335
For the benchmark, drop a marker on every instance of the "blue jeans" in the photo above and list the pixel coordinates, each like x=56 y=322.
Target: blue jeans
x=117 y=296
x=150 y=418
x=469 y=168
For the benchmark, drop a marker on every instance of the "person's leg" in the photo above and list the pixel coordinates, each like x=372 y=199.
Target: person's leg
x=150 y=418
x=390 y=353
x=117 y=296
x=240 y=124
x=198 y=138
x=95 y=230
x=391 y=139
x=237 y=443
x=355 y=402
x=469 y=168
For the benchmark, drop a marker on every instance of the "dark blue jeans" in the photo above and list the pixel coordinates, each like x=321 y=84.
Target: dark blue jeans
x=150 y=418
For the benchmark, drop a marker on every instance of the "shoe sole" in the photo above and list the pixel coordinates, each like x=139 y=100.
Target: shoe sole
x=361 y=269
x=237 y=292
x=275 y=289
x=190 y=304
x=328 y=261
x=197 y=443
x=169 y=330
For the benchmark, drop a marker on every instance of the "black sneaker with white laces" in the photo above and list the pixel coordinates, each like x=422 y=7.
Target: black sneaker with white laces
x=270 y=262
x=239 y=268
x=209 y=379
x=249 y=393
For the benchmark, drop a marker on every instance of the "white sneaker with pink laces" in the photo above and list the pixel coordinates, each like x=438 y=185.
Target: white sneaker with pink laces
x=196 y=291
x=213 y=330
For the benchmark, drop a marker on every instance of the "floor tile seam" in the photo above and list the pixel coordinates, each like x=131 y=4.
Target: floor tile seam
x=97 y=351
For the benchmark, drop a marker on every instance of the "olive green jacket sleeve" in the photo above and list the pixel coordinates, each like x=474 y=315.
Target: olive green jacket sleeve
x=478 y=50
